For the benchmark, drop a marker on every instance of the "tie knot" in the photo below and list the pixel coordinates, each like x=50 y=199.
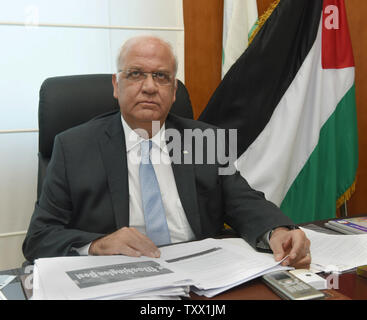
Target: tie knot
x=146 y=146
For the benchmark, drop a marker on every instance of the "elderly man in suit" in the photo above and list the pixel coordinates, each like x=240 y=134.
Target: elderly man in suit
x=101 y=198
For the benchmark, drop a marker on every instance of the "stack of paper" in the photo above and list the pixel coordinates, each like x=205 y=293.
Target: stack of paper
x=208 y=267
x=337 y=253
x=218 y=265
x=356 y=225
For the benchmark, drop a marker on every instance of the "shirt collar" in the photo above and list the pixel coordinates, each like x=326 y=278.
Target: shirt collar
x=132 y=139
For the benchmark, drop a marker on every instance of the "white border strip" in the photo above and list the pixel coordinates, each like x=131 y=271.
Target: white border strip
x=13 y=234
x=86 y=26
x=18 y=131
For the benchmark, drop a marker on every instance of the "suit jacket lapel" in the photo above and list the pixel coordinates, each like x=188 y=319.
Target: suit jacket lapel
x=113 y=150
x=185 y=181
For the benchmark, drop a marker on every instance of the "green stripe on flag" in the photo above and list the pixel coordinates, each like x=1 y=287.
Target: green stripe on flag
x=331 y=168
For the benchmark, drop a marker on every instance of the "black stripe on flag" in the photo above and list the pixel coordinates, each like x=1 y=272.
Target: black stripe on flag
x=253 y=87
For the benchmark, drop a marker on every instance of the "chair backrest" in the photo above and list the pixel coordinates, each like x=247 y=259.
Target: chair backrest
x=68 y=101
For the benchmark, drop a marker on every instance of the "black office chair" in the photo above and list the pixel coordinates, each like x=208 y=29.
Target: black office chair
x=68 y=101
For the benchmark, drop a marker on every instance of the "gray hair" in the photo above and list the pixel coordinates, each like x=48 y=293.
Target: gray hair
x=127 y=44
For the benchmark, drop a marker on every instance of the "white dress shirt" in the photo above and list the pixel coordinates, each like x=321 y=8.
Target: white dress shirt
x=178 y=225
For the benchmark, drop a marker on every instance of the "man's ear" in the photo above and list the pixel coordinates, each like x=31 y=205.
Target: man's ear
x=115 y=86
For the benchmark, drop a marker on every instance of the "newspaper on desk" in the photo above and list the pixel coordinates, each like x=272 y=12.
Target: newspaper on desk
x=105 y=277
x=208 y=267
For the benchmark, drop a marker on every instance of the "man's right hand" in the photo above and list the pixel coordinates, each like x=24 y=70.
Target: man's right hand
x=126 y=241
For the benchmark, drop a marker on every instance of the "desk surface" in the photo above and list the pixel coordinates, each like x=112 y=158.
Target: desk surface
x=351 y=286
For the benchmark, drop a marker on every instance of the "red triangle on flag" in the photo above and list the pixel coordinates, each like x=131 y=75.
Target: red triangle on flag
x=337 y=50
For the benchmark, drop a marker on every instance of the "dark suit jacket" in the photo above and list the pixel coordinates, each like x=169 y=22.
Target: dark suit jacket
x=85 y=193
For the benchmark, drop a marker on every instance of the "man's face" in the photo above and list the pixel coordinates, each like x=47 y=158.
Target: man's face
x=146 y=100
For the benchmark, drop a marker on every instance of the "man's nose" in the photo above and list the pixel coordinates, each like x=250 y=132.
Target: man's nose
x=149 y=85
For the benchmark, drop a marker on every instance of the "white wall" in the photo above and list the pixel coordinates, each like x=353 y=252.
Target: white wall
x=41 y=39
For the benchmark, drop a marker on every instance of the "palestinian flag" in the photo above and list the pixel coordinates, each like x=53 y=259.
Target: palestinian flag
x=291 y=96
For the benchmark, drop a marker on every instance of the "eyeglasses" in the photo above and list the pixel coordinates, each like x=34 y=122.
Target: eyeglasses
x=160 y=77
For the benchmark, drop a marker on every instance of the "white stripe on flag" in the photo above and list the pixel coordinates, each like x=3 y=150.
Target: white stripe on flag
x=239 y=16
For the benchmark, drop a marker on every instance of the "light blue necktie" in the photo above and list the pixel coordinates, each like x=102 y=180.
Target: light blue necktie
x=154 y=215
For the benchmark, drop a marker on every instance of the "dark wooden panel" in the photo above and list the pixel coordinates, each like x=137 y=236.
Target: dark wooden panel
x=357 y=11
x=203 y=21
x=263 y=5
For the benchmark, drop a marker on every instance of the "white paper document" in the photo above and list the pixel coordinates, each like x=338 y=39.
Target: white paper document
x=337 y=252
x=218 y=265
x=209 y=267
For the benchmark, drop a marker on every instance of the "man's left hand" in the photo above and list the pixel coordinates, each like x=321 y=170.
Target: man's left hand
x=293 y=243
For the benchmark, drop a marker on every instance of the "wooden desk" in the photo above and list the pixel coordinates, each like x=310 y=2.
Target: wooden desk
x=351 y=287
